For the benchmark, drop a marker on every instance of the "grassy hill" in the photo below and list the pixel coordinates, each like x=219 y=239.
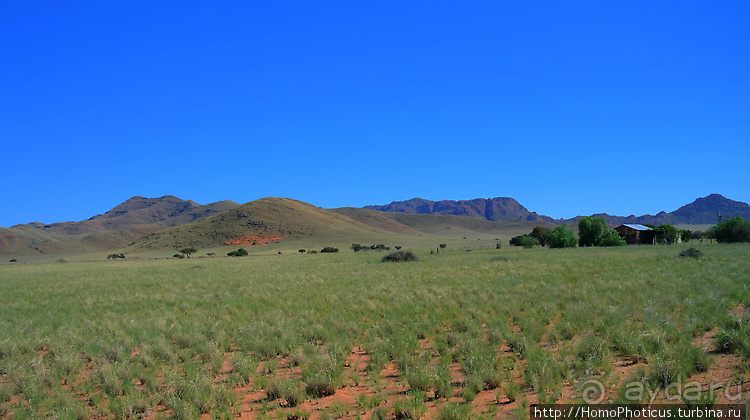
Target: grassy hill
x=129 y=221
x=270 y=220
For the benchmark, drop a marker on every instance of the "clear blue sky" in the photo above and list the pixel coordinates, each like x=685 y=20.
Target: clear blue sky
x=572 y=108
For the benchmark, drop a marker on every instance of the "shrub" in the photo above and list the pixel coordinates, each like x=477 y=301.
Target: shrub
x=525 y=241
x=302 y=251
x=691 y=252
x=329 y=249
x=562 y=237
x=241 y=252
x=357 y=247
x=286 y=389
x=400 y=256
x=454 y=411
x=735 y=229
x=109 y=257
x=612 y=238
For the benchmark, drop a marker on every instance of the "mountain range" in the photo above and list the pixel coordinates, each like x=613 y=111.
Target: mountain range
x=169 y=222
x=702 y=211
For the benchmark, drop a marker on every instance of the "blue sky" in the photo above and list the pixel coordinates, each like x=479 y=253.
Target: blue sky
x=571 y=108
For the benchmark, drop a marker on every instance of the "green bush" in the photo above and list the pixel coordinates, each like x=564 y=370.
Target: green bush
x=238 y=253
x=540 y=233
x=329 y=249
x=400 y=256
x=525 y=241
x=594 y=231
x=562 y=237
x=612 y=238
x=735 y=229
x=691 y=252
x=665 y=234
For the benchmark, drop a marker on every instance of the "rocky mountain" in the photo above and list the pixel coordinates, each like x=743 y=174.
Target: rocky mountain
x=499 y=209
x=702 y=211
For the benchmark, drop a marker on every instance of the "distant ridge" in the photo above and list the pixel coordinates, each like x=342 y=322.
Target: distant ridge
x=168 y=222
x=702 y=211
x=498 y=209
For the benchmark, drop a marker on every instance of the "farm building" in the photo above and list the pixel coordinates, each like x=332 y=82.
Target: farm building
x=633 y=233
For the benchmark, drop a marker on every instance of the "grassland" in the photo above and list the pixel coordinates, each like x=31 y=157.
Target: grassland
x=455 y=334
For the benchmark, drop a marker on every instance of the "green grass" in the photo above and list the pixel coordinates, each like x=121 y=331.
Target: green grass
x=122 y=338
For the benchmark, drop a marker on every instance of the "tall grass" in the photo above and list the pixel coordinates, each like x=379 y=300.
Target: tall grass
x=118 y=339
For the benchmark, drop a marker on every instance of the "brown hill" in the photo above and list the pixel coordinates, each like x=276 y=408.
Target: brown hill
x=261 y=221
x=118 y=227
x=444 y=224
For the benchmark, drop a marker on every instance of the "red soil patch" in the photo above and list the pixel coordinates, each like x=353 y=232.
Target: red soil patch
x=253 y=240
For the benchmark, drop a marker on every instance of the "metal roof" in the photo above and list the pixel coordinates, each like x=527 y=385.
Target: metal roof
x=636 y=227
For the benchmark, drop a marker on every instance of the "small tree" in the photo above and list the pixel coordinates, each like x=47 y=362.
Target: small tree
x=594 y=231
x=686 y=235
x=302 y=251
x=357 y=247
x=666 y=234
x=540 y=233
x=188 y=251
x=591 y=230
x=442 y=246
x=329 y=249
x=562 y=237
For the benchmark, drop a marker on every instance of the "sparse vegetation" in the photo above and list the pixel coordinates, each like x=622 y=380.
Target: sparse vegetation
x=173 y=339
